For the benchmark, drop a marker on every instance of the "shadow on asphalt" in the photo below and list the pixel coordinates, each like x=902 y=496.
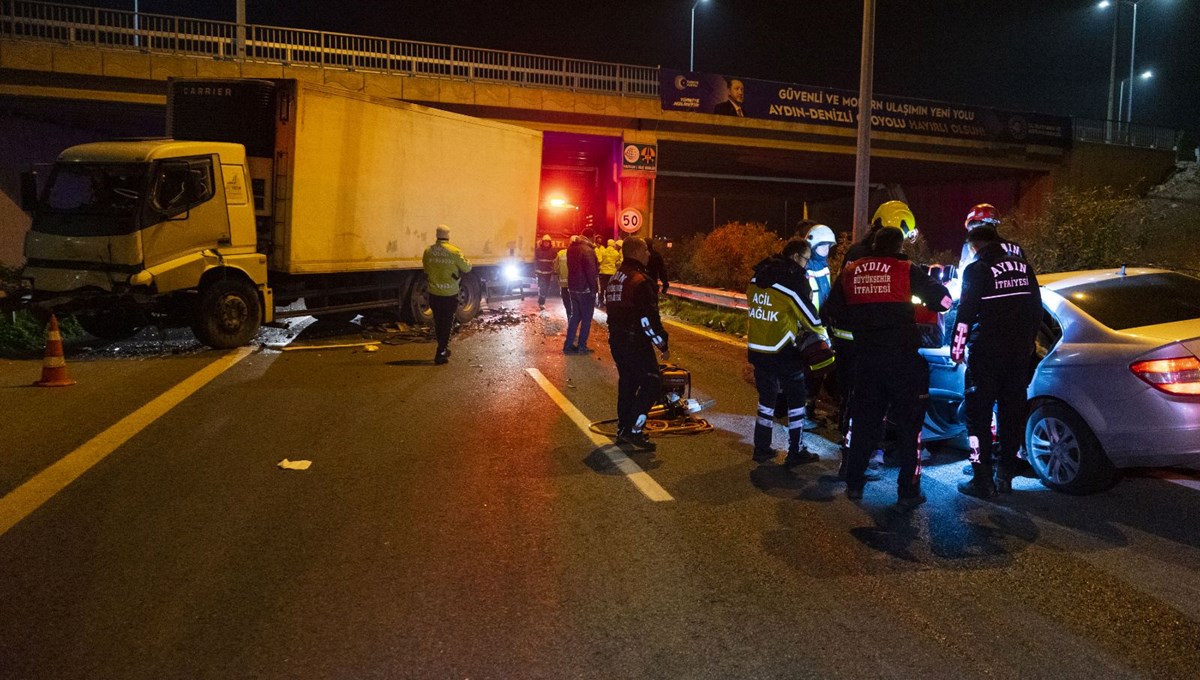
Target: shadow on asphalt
x=411 y=362
x=598 y=460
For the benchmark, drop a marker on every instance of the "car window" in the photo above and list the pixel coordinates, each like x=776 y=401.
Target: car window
x=183 y=185
x=1048 y=335
x=1134 y=301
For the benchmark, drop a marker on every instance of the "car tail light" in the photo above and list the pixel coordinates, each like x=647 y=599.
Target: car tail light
x=1173 y=376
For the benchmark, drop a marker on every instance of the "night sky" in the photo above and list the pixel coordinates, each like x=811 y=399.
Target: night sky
x=1048 y=56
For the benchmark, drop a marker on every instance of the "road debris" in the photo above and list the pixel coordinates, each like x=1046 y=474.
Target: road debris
x=286 y=464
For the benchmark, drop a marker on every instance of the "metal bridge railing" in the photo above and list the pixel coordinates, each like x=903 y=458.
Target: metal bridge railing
x=125 y=30
x=122 y=29
x=1125 y=134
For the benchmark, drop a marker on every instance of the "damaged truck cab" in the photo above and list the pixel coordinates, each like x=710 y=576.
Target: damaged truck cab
x=123 y=228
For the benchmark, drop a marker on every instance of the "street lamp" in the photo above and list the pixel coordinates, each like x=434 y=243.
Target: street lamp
x=692 y=53
x=1105 y=4
x=1145 y=75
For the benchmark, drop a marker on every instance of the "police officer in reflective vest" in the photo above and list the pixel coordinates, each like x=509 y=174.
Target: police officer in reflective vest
x=634 y=331
x=998 y=317
x=782 y=318
x=873 y=299
x=444 y=265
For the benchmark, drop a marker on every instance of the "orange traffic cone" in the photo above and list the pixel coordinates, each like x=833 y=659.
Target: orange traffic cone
x=54 y=365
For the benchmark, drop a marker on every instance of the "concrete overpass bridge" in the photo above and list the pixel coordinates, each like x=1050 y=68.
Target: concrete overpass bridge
x=70 y=74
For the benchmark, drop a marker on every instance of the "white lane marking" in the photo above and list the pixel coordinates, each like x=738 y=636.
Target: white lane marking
x=1193 y=484
x=706 y=333
x=25 y=499
x=643 y=481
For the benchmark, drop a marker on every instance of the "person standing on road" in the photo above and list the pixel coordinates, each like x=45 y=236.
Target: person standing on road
x=782 y=320
x=606 y=257
x=873 y=299
x=581 y=280
x=634 y=331
x=560 y=269
x=543 y=266
x=656 y=268
x=889 y=214
x=998 y=317
x=444 y=266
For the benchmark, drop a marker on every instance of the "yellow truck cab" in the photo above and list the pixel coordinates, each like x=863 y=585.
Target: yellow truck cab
x=119 y=223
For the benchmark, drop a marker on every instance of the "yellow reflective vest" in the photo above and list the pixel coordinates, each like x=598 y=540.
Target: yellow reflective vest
x=781 y=315
x=609 y=259
x=444 y=265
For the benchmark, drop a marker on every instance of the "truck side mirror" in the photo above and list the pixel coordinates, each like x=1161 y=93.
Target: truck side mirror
x=29 y=191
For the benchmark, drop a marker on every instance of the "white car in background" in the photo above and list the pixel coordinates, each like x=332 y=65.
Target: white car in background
x=1119 y=382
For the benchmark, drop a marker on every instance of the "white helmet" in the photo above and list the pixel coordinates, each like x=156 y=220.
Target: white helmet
x=820 y=234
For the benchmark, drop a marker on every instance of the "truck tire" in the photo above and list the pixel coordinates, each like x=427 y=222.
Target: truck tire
x=470 y=298
x=111 y=325
x=227 y=314
x=1065 y=453
x=418 y=302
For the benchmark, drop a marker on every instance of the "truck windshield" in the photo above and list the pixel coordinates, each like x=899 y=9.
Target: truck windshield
x=92 y=199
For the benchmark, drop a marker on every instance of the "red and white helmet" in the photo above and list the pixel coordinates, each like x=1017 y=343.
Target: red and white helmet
x=984 y=213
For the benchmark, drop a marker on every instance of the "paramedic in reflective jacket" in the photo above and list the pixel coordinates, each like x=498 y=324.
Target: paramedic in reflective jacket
x=782 y=317
x=873 y=299
x=634 y=332
x=995 y=331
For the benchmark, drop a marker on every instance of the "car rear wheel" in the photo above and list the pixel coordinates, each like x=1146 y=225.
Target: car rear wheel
x=1065 y=453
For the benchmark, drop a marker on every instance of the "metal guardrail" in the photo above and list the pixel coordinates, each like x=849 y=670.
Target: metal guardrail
x=125 y=30
x=158 y=33
x=1125 y=134
x=712 y=296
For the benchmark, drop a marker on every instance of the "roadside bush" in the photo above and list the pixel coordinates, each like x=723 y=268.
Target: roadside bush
x=1082 y=229
x=679 y=259
x=726 y=257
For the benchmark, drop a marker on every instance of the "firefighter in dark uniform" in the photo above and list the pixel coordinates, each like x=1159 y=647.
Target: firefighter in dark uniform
x=998 y=317
x=634 y=332
x=873 y=299
x=890 y=214
x=782 y=321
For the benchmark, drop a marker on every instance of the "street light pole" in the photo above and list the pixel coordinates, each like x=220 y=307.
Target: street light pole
x=862 y=160
x=1132 y=52
x=692 y=51
x=1112 y=71
x=241 y=30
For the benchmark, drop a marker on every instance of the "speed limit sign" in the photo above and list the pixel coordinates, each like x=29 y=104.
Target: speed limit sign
x=630 y=220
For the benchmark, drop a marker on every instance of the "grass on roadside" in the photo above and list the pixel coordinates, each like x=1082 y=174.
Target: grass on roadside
x=731 y=321
x=22 y=335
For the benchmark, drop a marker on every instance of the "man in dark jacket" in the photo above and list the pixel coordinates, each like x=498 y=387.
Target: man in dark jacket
x=634 y=331
x=543 y=259
x=782 y=319
x=873 y=300
x=997 y=323
x=583 y=276
x=656 y=268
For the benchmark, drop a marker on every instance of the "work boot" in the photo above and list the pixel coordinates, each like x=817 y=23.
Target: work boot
x=765 y=455
x=1004 y=477
x=854 y=493
x=980 y=485
x=801 y=457
x=907 y=503
x=637 y=441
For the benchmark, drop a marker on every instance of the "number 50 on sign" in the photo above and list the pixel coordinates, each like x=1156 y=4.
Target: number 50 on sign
x=630 y=220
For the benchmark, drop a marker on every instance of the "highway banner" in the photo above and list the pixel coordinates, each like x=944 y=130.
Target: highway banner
x=770 y=100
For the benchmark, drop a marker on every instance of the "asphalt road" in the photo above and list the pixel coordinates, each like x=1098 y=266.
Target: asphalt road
x=456 y=523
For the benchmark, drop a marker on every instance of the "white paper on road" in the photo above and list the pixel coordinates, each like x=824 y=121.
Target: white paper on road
x=295 y=464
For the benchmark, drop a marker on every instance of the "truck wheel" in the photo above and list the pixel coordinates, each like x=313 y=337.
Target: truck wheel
x=1065 y=453
x=470 y=298
x=418 y=302
x=227 y=314
x=113 y=325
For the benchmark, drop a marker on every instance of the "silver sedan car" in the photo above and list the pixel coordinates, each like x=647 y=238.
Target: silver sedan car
x=1118 y=384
